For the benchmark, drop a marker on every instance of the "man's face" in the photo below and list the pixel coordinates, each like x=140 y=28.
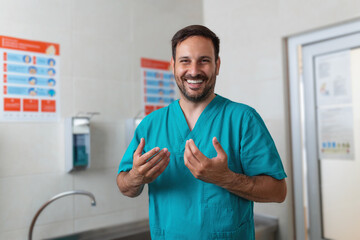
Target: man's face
x=195 y=68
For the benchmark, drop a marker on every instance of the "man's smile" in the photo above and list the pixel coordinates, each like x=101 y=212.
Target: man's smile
x=194 y=84
x=194 y=81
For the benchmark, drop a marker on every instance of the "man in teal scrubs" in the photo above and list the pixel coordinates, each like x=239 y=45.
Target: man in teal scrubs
x=205 y=158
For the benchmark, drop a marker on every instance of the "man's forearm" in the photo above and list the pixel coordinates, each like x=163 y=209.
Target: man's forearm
x=258 y=188
x=128 y=186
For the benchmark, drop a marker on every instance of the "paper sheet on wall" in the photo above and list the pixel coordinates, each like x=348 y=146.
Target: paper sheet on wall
x=336 y=140
x=158 y=84
x=333 y=78
x=29 y=80
x=334 y=106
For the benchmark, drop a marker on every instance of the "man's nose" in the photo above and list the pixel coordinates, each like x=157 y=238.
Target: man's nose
x=194 y=69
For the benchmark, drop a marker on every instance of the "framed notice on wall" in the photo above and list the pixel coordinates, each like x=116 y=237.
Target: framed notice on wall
x=29 y=80
x=158 y=84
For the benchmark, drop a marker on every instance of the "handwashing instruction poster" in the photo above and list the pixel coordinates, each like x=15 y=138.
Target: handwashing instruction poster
x=158 y=84
x=29 y=80
x=335 y=117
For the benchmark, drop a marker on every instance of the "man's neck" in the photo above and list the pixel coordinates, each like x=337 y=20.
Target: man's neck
x=193 y=110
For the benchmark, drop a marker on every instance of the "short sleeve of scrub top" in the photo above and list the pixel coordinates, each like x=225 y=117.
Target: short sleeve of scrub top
x=258 y=152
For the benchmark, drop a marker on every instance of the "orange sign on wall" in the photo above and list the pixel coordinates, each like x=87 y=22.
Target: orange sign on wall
x=29 y=45
x=48 y=106
x=12 y=104
x=158 y=84
x=31 y=105
x=29 y=80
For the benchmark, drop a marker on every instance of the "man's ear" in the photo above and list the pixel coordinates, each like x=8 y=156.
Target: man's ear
x=218 y=66
x=172 y=63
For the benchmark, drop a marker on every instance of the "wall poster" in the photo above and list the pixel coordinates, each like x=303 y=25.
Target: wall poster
x=334 y=106
x=29 y=80
x=336 y=133
x=158 y=84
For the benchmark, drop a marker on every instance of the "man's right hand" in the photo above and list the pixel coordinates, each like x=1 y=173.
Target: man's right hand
x=148 y=166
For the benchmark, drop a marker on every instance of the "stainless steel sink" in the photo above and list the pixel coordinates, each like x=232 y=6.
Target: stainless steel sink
x=131 y=231
x=266 y=228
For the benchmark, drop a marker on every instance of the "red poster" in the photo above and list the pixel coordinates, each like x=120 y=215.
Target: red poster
x=158 y=84
x=29 y=79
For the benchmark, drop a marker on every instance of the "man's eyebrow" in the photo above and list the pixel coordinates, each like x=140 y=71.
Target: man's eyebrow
x=205 y=57
x=201 y=57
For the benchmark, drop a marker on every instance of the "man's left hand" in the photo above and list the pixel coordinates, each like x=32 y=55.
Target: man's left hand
x=215 y=170
x=212 y=170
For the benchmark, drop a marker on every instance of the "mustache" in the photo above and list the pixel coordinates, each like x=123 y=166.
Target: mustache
x=195 y=77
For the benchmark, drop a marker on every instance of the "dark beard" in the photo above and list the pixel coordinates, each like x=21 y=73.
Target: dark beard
x=196 y=99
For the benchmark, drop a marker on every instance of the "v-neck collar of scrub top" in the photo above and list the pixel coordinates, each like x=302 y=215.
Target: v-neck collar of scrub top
x=204 y=119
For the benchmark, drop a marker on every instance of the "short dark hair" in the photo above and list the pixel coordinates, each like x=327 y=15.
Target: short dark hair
x=195 y=30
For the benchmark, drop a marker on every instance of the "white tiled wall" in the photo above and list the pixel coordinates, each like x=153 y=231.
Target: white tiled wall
x=101 y=43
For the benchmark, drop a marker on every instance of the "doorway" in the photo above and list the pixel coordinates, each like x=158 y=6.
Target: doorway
x=325 y=119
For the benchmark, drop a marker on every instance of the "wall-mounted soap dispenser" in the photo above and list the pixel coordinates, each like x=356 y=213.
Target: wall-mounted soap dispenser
x=77 y=143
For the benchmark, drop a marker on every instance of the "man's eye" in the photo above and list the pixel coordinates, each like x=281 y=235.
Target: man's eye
x=205 y=60
x=184 y=61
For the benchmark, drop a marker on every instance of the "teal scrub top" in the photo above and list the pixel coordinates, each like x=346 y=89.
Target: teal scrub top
x=183 y=207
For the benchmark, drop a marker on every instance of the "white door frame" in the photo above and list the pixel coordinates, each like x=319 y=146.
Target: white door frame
x=294 y=44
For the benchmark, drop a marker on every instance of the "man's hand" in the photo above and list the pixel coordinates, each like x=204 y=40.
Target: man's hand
x=146 y=168
x=213 y=170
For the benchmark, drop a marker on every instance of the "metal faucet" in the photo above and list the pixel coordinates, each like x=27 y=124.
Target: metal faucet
x=64 y=194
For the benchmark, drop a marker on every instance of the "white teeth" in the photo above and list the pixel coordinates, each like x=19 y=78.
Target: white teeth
x=194 y=81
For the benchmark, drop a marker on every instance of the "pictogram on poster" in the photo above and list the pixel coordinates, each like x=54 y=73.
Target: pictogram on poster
x=158 y=84
x=29 y=80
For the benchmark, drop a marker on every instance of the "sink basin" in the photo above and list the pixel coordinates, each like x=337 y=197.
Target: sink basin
x=265 y=229
x=130 y=231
